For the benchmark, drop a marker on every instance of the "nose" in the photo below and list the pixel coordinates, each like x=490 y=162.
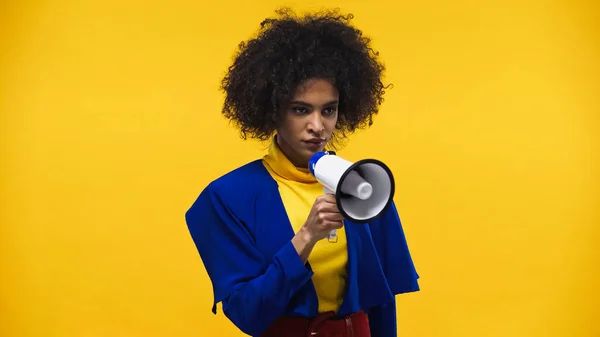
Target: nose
x=315 y=123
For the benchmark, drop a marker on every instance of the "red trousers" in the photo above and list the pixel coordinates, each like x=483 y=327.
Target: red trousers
x=324 y=325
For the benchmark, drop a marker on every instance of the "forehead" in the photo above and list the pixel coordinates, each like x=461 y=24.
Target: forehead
x=315 y=91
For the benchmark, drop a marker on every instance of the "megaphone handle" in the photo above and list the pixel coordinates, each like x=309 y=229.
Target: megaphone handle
x=332 y=236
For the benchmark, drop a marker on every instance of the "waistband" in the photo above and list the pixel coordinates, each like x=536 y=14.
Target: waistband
x=325 y=324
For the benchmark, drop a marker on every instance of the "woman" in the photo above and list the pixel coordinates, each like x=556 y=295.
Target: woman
x=303 y=84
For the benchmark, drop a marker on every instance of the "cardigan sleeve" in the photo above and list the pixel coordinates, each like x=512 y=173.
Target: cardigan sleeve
x=392 y=248
x=254 y=291
x=397 y=264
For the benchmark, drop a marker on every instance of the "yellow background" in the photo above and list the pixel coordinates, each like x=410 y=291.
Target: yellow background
x=110 y=127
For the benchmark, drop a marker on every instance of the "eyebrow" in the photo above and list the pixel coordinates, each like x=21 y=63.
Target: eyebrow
x=310 y=105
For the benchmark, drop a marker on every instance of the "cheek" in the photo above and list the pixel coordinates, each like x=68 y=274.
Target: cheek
x=331 y=124
x=289 y=129
x=293 y=128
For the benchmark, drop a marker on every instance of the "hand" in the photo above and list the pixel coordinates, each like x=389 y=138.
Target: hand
x=324 y=217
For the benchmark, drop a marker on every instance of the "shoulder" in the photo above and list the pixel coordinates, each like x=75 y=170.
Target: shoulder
x=237 y=187
x=244 y=179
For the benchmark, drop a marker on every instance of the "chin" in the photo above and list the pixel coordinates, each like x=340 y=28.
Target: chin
x=310 y=151
x=306 y=154
x=306 y=151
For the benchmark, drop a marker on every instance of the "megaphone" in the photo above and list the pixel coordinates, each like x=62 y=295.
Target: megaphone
x=363 y=190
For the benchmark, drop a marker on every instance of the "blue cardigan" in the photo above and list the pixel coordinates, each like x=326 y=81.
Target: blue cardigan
x=243 y=235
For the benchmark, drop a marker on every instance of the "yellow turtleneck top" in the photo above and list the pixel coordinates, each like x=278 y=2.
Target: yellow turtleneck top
x=299 y=190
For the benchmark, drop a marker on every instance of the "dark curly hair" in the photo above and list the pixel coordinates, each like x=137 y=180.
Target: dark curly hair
x=289 y=50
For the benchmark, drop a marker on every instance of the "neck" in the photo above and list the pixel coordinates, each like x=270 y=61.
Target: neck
x=279 y=163
x=291 y=155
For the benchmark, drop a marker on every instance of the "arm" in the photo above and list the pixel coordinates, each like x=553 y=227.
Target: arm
x=303 y=243
x=254 y=292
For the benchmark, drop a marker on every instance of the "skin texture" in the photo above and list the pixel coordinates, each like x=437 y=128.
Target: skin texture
x=324 y=216
x=308 y=121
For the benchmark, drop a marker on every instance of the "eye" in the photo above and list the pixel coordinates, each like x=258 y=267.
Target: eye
x=329 y=111
x=299 y=110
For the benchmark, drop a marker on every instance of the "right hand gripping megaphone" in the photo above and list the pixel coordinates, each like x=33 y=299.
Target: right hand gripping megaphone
x=363 y=190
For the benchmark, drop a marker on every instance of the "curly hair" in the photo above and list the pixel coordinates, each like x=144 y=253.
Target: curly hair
x=289 y=50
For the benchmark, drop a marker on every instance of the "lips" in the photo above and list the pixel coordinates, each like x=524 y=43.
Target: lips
x=315 y=143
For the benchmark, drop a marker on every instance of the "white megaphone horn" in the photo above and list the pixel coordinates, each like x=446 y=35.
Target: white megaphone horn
x=363 y=190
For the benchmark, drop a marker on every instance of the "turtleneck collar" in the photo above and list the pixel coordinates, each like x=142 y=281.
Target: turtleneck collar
x=282 y=166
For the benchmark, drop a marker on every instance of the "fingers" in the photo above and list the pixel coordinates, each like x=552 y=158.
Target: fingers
x=327 y=209
x=335 y=224
x=327 y=198
x=327 y=212
x=330 y=217
x=326 y=203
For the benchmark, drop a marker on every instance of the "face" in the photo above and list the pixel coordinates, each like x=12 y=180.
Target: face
x=308 y=121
